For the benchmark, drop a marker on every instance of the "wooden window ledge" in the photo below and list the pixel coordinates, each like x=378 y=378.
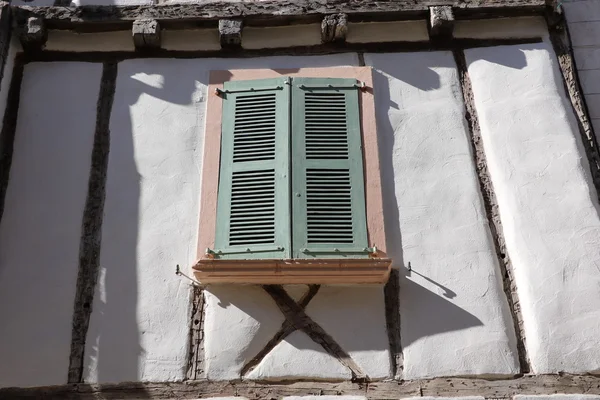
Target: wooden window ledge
x=322 y=271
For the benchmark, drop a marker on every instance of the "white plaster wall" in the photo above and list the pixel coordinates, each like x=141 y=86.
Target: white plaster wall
x=41 y=226
x=139 y=327
x=548 y=207
x=501 y=28
x=395 y=31
x=583 y=18
x=455 y=318
x=62 y=40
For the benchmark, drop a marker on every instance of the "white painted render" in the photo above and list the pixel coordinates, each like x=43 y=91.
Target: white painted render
x=455 y=317
x=501 y=28
x=454 y=314
x=281 y=36
x=299 y=357
x=139 y=328
x=41 y=224
x=353 y=316
x=62 y=40
x=238 y=323
x=547 y=203
x=150 y=226
x=395 y=31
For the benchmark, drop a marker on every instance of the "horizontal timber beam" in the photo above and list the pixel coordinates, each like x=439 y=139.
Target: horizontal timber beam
x=442 y=387
x=269 y=12
x=324 y=49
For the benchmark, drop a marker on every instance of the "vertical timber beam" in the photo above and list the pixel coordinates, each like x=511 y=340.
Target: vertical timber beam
x=7 y=135
x=491 y=208
x=195 y=369
x=9 y=128
x=91 y=231
x=391 y=292
x=561 y=42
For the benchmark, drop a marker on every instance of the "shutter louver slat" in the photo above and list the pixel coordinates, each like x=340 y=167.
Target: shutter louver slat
x=329 y=207
x=254 y=181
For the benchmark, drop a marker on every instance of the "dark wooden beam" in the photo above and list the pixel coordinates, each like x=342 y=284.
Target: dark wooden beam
x=270 y=12
x=442 y=387
x=382 y=47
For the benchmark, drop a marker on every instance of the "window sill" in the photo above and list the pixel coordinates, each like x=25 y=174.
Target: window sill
x=323 y=271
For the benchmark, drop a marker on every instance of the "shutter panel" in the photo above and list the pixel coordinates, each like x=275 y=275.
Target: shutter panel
x=329 y=217
x=253 y=211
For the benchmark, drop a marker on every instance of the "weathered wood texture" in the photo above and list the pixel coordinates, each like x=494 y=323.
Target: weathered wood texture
x=392 y=319
x=146 y=33
x=441 y=21
x=334 y=28
x=33 y=33
x=9 y=127
x=91 y=230
x=442 y=387
x=286 y=329
x=491 y=208
x=271 y=12
x=559 y=35
x=230 y=33
x=196 y=353
x=294 y=313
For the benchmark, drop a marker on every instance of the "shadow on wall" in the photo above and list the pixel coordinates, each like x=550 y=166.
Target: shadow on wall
x=117 y=352
x=431 y=313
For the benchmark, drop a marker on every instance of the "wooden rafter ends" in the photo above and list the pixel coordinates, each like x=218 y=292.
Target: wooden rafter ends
x=270 y=12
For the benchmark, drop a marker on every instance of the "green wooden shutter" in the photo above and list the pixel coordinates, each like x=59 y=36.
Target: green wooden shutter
x=253 y=212
x=329 y=217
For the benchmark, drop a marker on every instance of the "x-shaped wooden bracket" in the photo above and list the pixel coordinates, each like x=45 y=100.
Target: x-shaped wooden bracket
x=297 y=319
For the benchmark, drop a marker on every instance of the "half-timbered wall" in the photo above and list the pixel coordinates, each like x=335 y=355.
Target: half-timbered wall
x=491 y=214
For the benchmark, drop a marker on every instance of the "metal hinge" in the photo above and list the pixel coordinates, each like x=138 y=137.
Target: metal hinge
x=220 y=92
x=359 y=85
x=248 y=250
x=366 y=250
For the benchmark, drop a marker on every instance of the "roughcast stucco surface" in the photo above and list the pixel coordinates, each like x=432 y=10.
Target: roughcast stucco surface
x=455 y=318
x=548 y=208
x=41 y=225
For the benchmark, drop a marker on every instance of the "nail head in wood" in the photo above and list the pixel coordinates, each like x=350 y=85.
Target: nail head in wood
x=334 y=28
x=441 y=21
x=230 y=33
x=34 y=34
x=146 y=33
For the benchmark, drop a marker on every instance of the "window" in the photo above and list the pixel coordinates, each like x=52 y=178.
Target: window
x=291 y=178
x=291 y=196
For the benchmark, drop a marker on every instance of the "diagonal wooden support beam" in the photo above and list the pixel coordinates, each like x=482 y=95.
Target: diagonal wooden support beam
x=295 y=314
x=286 y=329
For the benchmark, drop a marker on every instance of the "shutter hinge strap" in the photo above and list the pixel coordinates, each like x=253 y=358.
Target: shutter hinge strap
x=248 y=250
x=360 y=85
x=220 y=92
x=366 y=250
